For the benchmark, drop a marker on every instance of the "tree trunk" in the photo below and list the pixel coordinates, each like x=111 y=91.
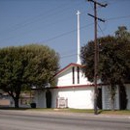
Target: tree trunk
x=16 y=101
x=15 y=95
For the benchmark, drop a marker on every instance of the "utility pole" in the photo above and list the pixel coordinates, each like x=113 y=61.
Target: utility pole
x=96 y=51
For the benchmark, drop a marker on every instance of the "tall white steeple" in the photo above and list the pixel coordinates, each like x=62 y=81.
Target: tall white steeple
x=78 y=38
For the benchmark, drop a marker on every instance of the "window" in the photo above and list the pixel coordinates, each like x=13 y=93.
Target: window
x=73 y=76
x=78 y=80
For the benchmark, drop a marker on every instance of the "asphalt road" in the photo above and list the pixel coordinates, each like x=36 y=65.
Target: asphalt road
x=11 y=120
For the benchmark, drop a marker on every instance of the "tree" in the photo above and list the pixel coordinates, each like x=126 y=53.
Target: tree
x=114 y=61
x=114 y=65
x=31 y=65
x=122 y=33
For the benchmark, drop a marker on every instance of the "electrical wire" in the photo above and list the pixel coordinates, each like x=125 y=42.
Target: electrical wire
x=70 y=55
x=65 y=33
x=38 y=28
x=117 y=18
x=59 y=9
x=101 y=30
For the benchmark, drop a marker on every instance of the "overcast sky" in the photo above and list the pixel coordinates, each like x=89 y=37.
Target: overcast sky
x=53 y=23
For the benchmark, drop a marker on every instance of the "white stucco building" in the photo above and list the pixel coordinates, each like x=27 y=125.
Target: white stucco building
x=72 y=87
x=73 y=90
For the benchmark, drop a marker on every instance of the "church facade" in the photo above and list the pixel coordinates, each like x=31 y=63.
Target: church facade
x=73 y=90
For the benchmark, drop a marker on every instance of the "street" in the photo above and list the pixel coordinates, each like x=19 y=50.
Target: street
x=11 y=120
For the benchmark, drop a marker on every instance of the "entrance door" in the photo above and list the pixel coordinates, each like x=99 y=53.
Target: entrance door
x=48 y=99
x=99 y=98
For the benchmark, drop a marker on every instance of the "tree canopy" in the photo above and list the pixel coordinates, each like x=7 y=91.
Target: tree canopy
x=114 y=59
x=30 y=65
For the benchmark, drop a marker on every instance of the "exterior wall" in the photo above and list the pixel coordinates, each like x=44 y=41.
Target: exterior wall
x=40 y=99
x=80 y=98
x=106 y=99
x=54 y=97
x=65 y=78
x=128 y=95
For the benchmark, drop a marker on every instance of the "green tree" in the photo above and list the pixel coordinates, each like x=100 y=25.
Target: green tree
x=122 y=33
x=31 y=65
x=114 y=61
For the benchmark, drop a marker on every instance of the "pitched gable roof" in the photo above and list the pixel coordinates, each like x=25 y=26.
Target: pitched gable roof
x=67 y=67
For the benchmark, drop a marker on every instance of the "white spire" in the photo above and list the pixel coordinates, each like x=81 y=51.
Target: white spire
x=78 y=38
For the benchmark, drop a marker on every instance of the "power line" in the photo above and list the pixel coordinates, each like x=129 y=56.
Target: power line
x=65 y=33
x=61 y=35
x=36 y=18
x=70 y=55
x=101 y=30
x=49 y=24
x=44 y=15
x=113 y=18
x=120 y=17
x=55 y=23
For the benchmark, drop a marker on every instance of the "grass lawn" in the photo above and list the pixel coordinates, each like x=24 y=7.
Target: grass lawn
x=116 y=112
x=109 y=112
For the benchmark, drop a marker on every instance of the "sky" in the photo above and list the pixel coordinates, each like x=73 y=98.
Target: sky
x=54 y=23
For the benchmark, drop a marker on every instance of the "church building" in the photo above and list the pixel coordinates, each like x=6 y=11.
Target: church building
x=73 y=90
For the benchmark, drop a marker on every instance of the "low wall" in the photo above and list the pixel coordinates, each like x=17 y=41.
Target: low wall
x=4 y=102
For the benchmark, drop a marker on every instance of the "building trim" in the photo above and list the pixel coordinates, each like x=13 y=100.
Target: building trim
x=68 y=66
x=72 y=86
